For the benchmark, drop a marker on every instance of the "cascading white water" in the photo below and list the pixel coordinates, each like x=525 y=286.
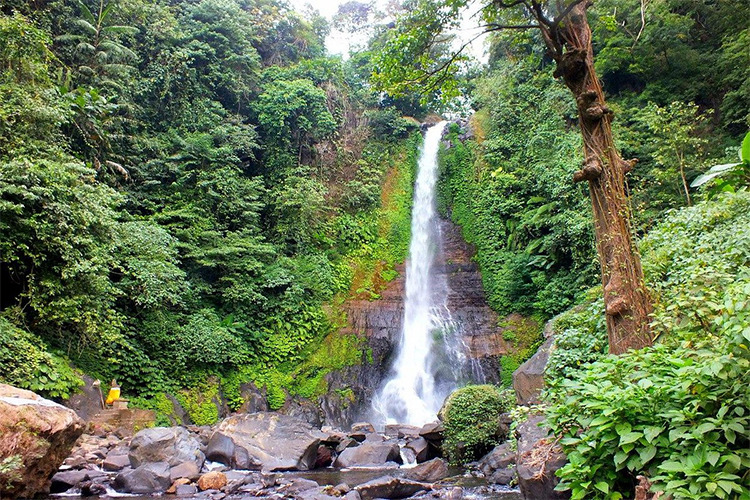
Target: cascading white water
x=419 y=380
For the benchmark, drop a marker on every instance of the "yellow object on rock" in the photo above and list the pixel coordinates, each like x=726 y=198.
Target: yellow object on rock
x=114 y=393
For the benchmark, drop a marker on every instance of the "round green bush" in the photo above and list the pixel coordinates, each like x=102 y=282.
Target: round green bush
x=470 y=416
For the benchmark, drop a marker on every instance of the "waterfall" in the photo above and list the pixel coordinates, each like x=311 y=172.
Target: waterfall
x=428 y=363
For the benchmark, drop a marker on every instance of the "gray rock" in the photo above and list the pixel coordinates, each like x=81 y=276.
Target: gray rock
x=346 y=443
x=498 y=459
x=369 y=454
x=502 y=476
x=93 y=489
x=401 y=431
x=185 y=490
x=276 y=442
x=533 y=442
x=390 y=487
x=174 y=445
x=298 y=485
x=116 y=461
x=147 y=478
x=432 y=432
x=421 y=449
x=428 y=472
x=221 y=449
x=361 y=430
x=528 y=379
x=188 y=470
x=352 y=495
x=63 y=481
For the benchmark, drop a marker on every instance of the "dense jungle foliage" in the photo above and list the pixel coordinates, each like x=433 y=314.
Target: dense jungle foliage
x=183 y=186
x=190 y=189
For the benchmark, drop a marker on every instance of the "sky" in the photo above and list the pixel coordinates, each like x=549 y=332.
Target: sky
x=339 y=43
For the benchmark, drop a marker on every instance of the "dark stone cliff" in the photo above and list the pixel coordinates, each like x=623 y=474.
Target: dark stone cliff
x=379 y=321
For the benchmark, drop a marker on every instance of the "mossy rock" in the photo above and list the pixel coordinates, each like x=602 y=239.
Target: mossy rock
x=471 y=418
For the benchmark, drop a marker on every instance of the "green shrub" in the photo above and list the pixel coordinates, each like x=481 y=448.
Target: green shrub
x=26 y=363
x=470 y=416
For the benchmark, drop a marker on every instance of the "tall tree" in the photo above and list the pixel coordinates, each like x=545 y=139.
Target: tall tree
x=408 y=60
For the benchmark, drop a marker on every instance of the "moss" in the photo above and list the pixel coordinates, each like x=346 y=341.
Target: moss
x=161 y=405
x=470 y=416
x=199 y=401
x=525 y=336
x=334 y=353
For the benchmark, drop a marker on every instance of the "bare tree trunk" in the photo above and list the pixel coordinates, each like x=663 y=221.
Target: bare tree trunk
x=625 y=297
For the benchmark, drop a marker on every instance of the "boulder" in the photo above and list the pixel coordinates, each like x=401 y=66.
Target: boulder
x=274 y=441
x=87 y=402
x=115 y=461
x=390 y=487
x=173 y=489
x=324 y=457
x=528 y=379
x=37 y=435
x=432 y=432
x=368 y=454
x=186 y=490
x=502 y=476
x=537 y=459
x=421 y=449
x=65 y=480
x=498 y=459
x=146 y=479
x=186 y=470
x=401 y=431
x=221 y=449
x=360 y=430
x=173 y=445
x=93 y=489
x=428 y=472
x=213 y=480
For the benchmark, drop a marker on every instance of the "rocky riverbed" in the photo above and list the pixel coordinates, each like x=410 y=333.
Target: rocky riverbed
x=268 y=455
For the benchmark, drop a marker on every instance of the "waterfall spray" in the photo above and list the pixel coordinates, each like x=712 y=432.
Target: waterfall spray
x=418 y=383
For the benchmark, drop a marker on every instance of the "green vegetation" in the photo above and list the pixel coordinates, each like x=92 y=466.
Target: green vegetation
x=676 y=412
x=188 y=191
x=470 y=416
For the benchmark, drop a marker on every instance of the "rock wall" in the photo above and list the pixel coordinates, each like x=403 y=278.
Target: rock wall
x=380 y=321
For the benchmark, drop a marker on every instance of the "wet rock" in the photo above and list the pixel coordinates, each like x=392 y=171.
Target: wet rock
x=145 y=479
x=93 y=489
x=428 y=472
x=369 y=454
x=390 y=487
x=40 y=432
x=408 y=456
x=177 y=482
x=213 y=480
x=298 y=485
x=361 y=430
x=221 y=449
x=185 y=490
x=433 y=432
x=528 y=379
x=116 y=461
x=537 y=459
x=346 y=443
x=503 y=476
x=277 y=442
x=421 y=449
x=186 y=470
x=324 y=457
x=401 y=431
x=305 y=410
x=498 y=459
x=456 y=493
x=173 y=445
x=65 y=480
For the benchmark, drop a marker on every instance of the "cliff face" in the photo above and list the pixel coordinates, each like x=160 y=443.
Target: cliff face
x=380 y=321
